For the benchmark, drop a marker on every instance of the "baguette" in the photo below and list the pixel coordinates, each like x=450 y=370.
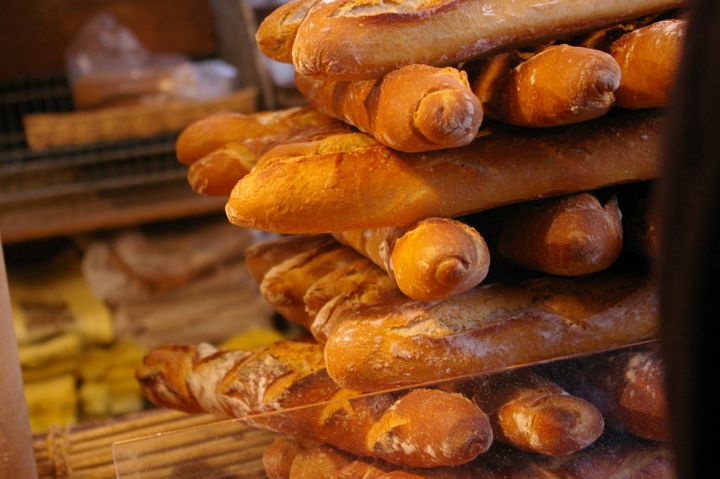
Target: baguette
x=627 y=387
x=255 y=131
x=534 y=414
x=356 y=277
x=278 y=457
x=430 y=260
x=263 y=257
x=560 y=85
x=346 y=290
x=649 y=58
x=360 y=40
x=613 y=456
x=320 y=462
x=401 y=342
x=284 y=286
x=290 y=376
x=568 y=236
x=276 y=33
x=374 y=186
x=222 y=148
x=415 y=108
x=216 y=173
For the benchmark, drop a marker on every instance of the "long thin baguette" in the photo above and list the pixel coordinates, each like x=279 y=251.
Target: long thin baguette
x=216 y=173
x=560 y=85
x=649 y=58
x=613 y=456
x=255 y=130
x=289 y=375
x=278 y=457
x=320 y=462
x=357 y=277
x=568 y=236
x=263 y=257
x=310 y=191
x=353 y=39
x=534 y=414
x=628 y=388
x=222 y=148
x=276 y=33
x=284 y=286
x=401 y=342
x=430 y=260
x=415 y=108
x=349 y=288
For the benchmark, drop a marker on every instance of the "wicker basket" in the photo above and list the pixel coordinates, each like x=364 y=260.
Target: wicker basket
x=44 y=131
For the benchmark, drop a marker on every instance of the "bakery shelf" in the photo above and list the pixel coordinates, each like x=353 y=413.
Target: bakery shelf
x=80 y=188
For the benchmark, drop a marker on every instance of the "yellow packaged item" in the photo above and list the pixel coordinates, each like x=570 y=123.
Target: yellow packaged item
x=54 y=298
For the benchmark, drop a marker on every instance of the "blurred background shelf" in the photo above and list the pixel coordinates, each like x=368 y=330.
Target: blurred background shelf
x=74 y=189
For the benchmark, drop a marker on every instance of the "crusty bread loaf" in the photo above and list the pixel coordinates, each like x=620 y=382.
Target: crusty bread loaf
x=430 y=260
x=559 y=85
x=399 y=341
x=320 y=462
x=374 y=186
x=278 y=457
x=568 y=236
x=352 y=39
x=216 y=173
x=533 y=413
x=613 y=456
x=649 y=58
x=263 y=257
x=628 y=388
x=276 y=33
x=254 y=130
x=284 y=285
x=224 y=147
x=356 y=277
x=415 y=108
x=290 y=376
x=357 y=285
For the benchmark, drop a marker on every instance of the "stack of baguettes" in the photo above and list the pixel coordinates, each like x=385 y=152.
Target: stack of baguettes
x=390 y=272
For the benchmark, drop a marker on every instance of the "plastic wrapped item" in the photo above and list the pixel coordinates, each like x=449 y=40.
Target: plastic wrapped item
x=108 y=66
x=511 y=422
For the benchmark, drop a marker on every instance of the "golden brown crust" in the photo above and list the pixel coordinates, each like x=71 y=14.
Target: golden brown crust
x=568 y=236
x=355 y=277
x=216 y=173
x=613 y=456
x=276 y=33
x=415 y=108
x=290 y=376
x=374 y=186
x=278 y=457
x=284 y=285
x=649 y=59
x=534 y=414
x=222 y=148
x=430 y=260
x=321 y=462
x=628 y=388
x=400 y=342
x=359 y=40
x=262 y=257
x=560 y=85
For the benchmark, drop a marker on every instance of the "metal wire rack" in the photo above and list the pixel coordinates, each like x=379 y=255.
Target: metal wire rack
x=73 y=189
